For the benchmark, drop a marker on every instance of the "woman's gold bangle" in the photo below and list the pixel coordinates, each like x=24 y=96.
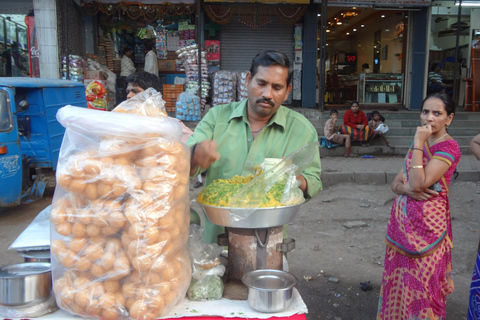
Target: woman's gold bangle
x=416 y=167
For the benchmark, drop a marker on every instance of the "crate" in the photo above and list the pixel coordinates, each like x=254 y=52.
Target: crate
x=170 y=95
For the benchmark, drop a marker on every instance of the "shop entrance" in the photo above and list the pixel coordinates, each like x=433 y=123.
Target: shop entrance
x=365 y=56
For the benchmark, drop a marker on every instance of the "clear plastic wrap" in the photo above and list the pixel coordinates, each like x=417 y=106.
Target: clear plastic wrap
x=207 y=270
x=242 y=85
x=283 y=176
x=120 y=215
x=147 y=103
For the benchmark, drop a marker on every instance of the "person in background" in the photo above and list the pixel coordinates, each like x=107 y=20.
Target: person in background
x=366 y=68
x=232 y=139
x=374 y=123
x=474 y=301
x=127 y=68
x=418 y=259
x=151 y=61
x=435 y=80
x=330 y=130
x=355 y=124
x=140 y=81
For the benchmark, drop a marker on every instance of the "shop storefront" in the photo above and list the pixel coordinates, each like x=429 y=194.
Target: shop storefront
x=454 y=50
x=245 y=29
x=13 y=46
x=365 y=52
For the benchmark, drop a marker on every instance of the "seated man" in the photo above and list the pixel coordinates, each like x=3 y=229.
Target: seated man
x=232 y=139
x=435 y=80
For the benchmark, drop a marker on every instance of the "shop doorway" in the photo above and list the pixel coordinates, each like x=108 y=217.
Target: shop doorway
x=366 y=51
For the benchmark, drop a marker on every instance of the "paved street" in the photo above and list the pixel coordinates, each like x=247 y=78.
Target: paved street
x=326 y=249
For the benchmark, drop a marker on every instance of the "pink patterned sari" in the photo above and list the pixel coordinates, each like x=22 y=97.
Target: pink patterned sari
x=418 y=260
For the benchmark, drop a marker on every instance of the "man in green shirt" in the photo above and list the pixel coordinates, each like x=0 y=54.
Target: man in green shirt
x=231 y=139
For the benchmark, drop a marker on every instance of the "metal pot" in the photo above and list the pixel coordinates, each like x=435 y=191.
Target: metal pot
x=269 y=290
x=25 y=283
x=35 y=255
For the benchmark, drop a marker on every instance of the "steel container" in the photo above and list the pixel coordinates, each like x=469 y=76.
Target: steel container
x=269 y=290
x=25 y=284
x=259 y=218
x=35 y=255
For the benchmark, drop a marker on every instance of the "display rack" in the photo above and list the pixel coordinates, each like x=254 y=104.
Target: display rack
x=380 y=88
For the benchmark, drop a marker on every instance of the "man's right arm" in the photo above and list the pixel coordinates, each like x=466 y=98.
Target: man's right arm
x=203 y=148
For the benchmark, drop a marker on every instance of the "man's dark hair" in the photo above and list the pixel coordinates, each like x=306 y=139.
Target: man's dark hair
x=149 y=45
x=144 y=80
x=127 y=49
x=271 y=58
x=434 y=66
x=365 y=65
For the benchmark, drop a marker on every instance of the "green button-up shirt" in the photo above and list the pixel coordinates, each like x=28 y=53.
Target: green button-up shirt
x=287 y=131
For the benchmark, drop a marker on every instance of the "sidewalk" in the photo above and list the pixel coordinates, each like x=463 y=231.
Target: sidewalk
x=382 y=169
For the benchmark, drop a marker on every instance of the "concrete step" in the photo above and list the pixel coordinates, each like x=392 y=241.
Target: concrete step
x=406 y=115
x=399 y=150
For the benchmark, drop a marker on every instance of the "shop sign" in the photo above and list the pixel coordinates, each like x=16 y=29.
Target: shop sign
x=33 y=56
x=399 y=3
x=213 y=50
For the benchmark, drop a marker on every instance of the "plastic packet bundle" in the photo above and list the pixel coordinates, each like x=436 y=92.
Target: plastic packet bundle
x=188 y=106
x=207 y=270
x=224 y=87
x=242 y=85
x=120 y=215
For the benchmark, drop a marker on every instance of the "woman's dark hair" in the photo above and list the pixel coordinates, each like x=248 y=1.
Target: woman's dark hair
x=434 y=66
x=144 y=80
x=333 y=111
x=374 y=113
x=448 y=102
x=271 y=58
x=353 y=102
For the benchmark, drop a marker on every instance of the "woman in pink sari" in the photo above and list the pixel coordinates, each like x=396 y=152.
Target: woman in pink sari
x=418 y=260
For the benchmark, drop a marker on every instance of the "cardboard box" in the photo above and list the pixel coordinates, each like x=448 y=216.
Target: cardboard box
x=96 y=75
x=166 y=65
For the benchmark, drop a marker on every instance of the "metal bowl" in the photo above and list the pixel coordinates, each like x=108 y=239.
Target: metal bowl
x=25 y=284
x=260 y=218
x=269 y=290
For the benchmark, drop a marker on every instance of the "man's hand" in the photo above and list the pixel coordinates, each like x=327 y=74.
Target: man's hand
x=205 y=154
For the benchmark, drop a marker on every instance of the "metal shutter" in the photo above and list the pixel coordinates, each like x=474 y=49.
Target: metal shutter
x=239 y=43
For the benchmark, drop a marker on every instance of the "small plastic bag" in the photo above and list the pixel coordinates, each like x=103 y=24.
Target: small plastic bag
x=207 y=270
x=283 y=176
x=383 y=128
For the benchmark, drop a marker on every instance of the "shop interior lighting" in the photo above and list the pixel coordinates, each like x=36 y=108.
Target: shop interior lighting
x=362 y=26
x=348 y=33
x=354 y=29
x=339 y=22
x=468 y=3
x=383 y=16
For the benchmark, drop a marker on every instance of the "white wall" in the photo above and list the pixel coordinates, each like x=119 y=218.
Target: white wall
x=46 y=25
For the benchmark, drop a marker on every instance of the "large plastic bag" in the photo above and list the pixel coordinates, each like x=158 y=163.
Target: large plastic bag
x=120 y=215
x=283 y=175
x=207 y=270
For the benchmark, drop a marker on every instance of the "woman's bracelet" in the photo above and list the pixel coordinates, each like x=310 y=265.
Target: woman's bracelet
x=416 y=167
x=417 y=149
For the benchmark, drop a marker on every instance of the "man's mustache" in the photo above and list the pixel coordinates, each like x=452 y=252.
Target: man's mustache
x=261 y=100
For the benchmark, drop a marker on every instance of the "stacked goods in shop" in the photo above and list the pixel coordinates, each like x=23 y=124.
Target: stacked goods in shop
x=75 y=70
x=189 y=56
x=106 y=47
x=139 y=52
x=186 y=30
x=120 y=214
x=161 y=42
x=242 y=85
x=224 y=83
x=170 y=94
